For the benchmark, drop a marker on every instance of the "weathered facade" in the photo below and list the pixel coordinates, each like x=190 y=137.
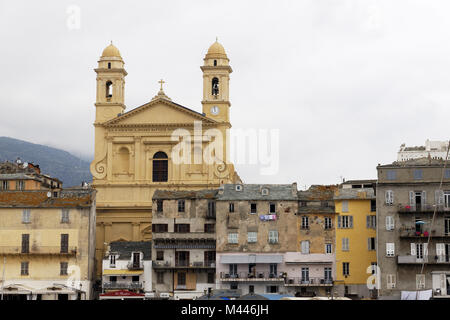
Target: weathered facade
x=256 y=226
x=414 y=227
x=135 y=151
x=355 y=223
x=47 y=244
x=184 y=242
x=314 y=263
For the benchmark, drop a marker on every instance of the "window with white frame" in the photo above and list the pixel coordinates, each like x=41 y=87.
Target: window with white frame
x=26 y=216
x=345 y=222
x=252 y=237
x=345 y=268
x=390 y=223
x=112 y=261
x=345 y=244
x=447 y=199
x=273 y=236
x=391 y=175
x=390 y=249
x=328 y=248
x=305 y=247
x=389 y=197
x=390 y=281
x=233 y=237
x=420 y=281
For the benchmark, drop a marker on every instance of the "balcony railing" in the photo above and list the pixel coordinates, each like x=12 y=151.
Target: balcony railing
x=184 y=264
x=309 y=282
x=184 y=235
x=135 y=265
x=37 y=250
x=429 y=259
x=253 y=277
x=411 y=232
x=424 y=208
x=122 y=285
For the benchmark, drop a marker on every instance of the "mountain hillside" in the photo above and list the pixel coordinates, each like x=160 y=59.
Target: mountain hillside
x=60 y=164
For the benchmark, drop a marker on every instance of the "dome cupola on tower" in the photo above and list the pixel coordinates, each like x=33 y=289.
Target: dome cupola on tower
x=111 y=51
x=216 y=50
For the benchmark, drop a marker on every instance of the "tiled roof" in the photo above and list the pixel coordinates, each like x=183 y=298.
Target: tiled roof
x=254 y=192
x=354 y=194
x=125 y=248
x=73 y=198
x=318 y=192
x=185 y=194
x=425 y=161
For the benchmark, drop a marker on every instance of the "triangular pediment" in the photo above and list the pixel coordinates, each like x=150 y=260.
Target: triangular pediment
x=159 y=111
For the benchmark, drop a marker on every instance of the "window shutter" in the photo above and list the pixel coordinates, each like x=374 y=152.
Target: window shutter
x=424 y=198
x=413 y=249
x=351 y=222
x=368 y=221
x=425 y=251
x=368 y=244
x=339 y=222
x=440 y=251
x=411 y=199
x=439 y=197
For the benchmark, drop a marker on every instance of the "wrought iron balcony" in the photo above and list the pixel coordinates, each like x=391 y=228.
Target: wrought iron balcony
x=135 y=265
x=412 y=232
x=122 y=285
x=180 y=264
x=308 y=282
x=428 y=259
x=251 y=277
x=424 y=208
x=38 y=250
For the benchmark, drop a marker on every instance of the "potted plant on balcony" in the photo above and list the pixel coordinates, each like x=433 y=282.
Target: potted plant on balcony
x=426 y=234
x=418 y=233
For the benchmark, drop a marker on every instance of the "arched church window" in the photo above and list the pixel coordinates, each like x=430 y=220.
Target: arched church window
x=215 y=86
x=109 y=89
x=160 y=167
x=109 y=65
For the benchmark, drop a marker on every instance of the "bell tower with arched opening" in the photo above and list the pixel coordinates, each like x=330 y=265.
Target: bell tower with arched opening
x=110 y=85
x=216 y=78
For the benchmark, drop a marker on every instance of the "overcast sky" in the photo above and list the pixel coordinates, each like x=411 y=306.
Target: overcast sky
x=346 y=82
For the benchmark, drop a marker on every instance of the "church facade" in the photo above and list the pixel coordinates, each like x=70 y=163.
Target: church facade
x=159 y=145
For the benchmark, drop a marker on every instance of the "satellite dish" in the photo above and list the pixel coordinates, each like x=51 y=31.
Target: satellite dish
x=49 y=194
x=25 y=165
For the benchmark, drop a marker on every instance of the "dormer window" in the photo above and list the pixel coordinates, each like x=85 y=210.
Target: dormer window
x=265 y=191
x=238 y=187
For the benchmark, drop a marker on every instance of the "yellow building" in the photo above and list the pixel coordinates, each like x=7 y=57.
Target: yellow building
x=355 y=205
x=47 y=244
x=159 y=145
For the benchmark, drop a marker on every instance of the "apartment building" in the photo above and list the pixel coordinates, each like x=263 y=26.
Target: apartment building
x=414 y=227
x=356 y=221
x=127 y=270
x=256 y=227
x=314 y=262
x=47 y=244
x=184 y=243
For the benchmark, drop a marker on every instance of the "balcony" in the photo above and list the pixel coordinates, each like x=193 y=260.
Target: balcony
x=250 y=277
x=411 y=232
x=183 y=264
x=184 y=236
x=430 y=259
x=122 y=285
x=310 y=282
x=136 y=265
x=38 y=250
x=426 y=208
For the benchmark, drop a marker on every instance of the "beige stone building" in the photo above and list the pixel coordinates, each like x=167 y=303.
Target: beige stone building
x=47 y=244
x=139 y=151
x=255 y=228
x=184 y=243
